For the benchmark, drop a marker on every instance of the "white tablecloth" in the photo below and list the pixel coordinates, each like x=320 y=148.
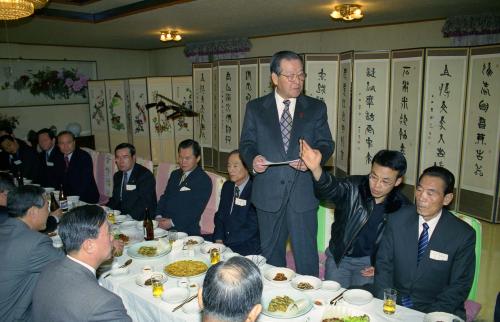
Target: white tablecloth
x=143 y=307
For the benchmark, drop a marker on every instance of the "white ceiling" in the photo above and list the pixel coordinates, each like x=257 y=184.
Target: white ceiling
x=203 y=20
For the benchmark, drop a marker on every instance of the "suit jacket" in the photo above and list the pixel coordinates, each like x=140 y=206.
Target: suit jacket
x=261 y=134
x=30 y=167
x=438 y=283
x=239 y=228
x=185 y=203
x=3 y=214
x=135 y=201
x=5 y=157
x=48 y=171
x=68 y=291
x=78 y=180
x=23 y=255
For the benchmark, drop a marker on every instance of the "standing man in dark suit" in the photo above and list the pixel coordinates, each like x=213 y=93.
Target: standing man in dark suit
x=75 y=170
x=427 y=254
x=236 y=223
x=50 y=153
x=24 y=252
x=283 y=194
x=187 y=192
x=22 y=157
x=68 y=289
x=133 y=185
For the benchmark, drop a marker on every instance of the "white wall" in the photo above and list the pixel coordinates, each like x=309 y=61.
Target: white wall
x=119 y=63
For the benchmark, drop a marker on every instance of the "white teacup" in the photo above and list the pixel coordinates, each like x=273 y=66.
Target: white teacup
x=73 y=201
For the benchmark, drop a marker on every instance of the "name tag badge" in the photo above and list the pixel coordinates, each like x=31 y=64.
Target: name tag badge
x=130 y=187
x=240 y=202
x=50 y=164
x=18 y=162
x=438 y=256
x=184 y=188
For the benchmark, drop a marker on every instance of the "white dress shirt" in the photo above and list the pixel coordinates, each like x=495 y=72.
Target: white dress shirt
x=432 y=224
x=281 y=106
x=90 y=268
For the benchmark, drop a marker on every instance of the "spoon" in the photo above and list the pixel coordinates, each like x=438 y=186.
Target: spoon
x=127 y=263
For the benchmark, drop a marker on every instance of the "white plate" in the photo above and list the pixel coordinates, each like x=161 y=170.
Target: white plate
x=258 y=260
x=159 y=233
x=295 y=295
x=141 y=279
x=174 y=295
x=312 y=280
x=330 y=286
x=441 y=316
x=162 y=250
x=270 y=274
x=199 y=240
x=205 y=249
x=131 y=224
x=121 y=218
x=358 y=297
x=181 y=235
x=342 y=311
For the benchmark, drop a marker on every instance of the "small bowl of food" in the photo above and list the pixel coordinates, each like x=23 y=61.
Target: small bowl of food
x=205 y=249
x=280 y=275
x=193 y=241
x=146 y=279
x=306 y=283
x=319 y=303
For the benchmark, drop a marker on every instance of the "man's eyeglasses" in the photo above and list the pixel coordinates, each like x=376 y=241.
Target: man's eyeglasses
x=385 y=182
x=294 y=77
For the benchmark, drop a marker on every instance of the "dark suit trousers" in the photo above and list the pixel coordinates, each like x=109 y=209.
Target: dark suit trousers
x=302 y=227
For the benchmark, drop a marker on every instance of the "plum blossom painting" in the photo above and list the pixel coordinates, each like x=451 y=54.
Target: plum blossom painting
x=28 y=82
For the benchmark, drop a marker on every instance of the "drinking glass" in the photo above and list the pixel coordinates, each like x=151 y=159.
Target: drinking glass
x=172 y=236
x=157 y=285
x=214 y=256
x=390 y=297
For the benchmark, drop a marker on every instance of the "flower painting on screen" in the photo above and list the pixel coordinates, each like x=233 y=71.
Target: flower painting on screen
x=39 y=82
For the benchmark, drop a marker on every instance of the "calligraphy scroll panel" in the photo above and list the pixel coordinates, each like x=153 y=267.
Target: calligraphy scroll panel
x=444 y=100
x=182 y=93
x=321 y=83
x=228 y=111
x=202 y=99
x=249 y=81
x=139 y=117
x=342 y=137
x=99 y=115
x=265 y=82
x=116 y=99
x=163 y=148
x=482 y=134
x=215 y=114
x=406 y=106
x=370 y=109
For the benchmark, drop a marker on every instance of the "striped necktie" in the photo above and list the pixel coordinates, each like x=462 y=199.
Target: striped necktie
x=184 y=176
x=286 y=124
x=124 y=184
x=423 y=242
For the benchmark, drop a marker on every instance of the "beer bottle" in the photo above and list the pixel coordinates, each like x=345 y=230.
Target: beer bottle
x=148 y=226
x=63 y=201
x=53 y=203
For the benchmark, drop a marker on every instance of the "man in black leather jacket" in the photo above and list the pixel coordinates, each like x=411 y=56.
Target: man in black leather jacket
x=362 y=204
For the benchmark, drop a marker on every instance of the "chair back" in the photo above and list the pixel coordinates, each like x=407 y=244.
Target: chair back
x=207 y=218
x=163 y=172
x=476 y=224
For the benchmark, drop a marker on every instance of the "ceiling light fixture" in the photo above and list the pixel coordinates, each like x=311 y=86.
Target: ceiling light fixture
x=347 y=12
x=17 y=9
x=169 y=35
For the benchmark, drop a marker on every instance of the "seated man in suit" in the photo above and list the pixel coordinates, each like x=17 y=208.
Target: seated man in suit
x=231 y=291
x=23 y=158
x=187 y=193
x=6 y=129
x=48 y=156
x=133 y=185
x=75 y=170
x=24 y=252
x=427 y=254
x=236 y=223
x=68 y=289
